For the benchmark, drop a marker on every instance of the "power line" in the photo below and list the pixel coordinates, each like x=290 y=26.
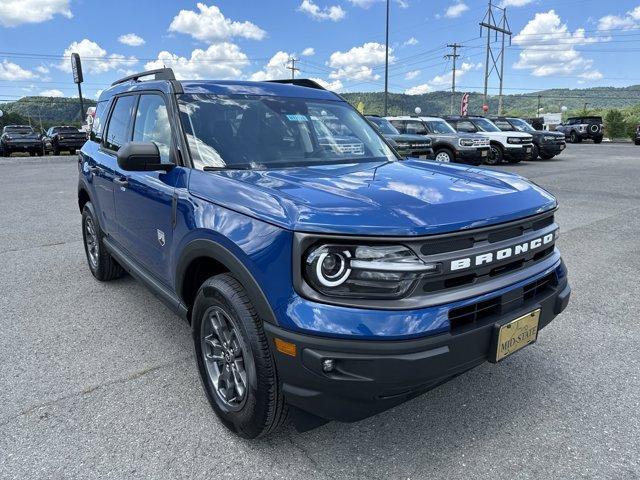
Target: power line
x=293 y=67
x=489 y=23
x=454 y=56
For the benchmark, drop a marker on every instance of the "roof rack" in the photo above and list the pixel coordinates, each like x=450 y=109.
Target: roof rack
x=300 y=82
x=160 y=74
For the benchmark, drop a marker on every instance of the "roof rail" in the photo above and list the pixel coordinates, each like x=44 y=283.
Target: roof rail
x=300 y=82
x=160 y=74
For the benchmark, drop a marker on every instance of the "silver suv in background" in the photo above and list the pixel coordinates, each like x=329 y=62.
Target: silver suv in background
x=576 y=129
x=448 y=145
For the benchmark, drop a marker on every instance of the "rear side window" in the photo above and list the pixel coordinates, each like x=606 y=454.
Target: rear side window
x=400 y=125
x=97 y=126
x=152 y=124
x=416 y=128
x=118 y=128
x=504 y=125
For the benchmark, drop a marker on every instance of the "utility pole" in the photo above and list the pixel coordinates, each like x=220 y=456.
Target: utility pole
x=454 y=56
x=494 y=27
x=293 y=67
x=538 y=110
x=386 y=64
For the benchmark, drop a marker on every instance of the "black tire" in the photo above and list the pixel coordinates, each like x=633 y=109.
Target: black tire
x=547 y=156
x=574 y=138
x=102 y=265
x=597 y=140
x=637 y=142
x=535 y=152
x=446 y=156
x=32 y=153
x=72 y=151
x=496 y=155
x=56 y=150
x=261 y=409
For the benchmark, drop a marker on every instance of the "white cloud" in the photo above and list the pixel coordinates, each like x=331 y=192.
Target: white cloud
x=335 y=86
x=419 y=89
x=548 y=47
x=209 y=25
x=17 y=12
x=591 y=75
x=42 y=69
x=367 y=3
x=221 y=61
x=411 y=41
x=54 y=92
x=412 y=74
x=308 y=52
x=627 y=21
x=131 y=39
x=276 y=68
x=456 y=9
x=358 y=63
x=12 y=71
x=94 y=58
x=515 y=3
x=333 y=13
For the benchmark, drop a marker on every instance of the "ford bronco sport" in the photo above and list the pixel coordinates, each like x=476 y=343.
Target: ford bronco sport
x=407 y=145
x=324 y=278
x=546 y=145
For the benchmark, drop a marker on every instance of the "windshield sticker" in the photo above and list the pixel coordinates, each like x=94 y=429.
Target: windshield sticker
x=297 y=118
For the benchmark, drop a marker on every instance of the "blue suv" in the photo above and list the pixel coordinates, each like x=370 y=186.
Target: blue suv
x=324 y=276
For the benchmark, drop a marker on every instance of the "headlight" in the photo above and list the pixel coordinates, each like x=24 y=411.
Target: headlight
x=364 y=271
x=6 y=137
x=466 y=142
x=582 y=128
x=514 y=140
x=402 y=144
x=549 y=138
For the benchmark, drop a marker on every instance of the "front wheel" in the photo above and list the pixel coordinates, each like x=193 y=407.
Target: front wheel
x=574 y=138
x=535 y=152
x=547 y=157
x=444 y=155
x=597 y=140
x=236 y=366
x=495 y=156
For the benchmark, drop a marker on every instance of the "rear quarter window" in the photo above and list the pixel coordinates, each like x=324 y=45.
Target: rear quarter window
x=97 y=127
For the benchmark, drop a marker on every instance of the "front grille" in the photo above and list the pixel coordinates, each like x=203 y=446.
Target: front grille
x=471 y=244
x=477 y=312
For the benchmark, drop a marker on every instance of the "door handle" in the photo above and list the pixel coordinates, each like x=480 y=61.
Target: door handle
x=122 y=181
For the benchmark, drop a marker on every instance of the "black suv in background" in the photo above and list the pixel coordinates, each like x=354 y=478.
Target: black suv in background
x=577 y=129
x=20 y=138
x=415 y=146
x=64 y=138
x=546 y=145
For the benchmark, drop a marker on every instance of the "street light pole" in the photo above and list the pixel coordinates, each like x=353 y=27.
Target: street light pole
x=386 y=64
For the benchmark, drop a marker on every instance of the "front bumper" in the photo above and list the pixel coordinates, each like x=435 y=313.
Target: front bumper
x=518 y=153
x=371 y=376
x=474 y=156
x=552 y=148
x=24 y=146
x=423 y=153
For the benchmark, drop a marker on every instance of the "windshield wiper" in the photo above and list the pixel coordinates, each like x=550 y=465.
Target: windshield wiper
x=210 y=168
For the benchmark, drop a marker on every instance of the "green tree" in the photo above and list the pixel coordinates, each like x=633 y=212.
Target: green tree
x=615 y=124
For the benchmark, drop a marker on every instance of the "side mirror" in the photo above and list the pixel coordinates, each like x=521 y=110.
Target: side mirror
x=141 y=157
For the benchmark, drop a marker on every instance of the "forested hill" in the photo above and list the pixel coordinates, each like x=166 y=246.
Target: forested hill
x=49 y=110
x=438 y=103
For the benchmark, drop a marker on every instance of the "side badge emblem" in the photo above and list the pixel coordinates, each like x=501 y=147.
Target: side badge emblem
x=160 y=237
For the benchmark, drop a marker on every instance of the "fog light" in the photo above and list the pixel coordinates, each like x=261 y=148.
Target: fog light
x=328 y=365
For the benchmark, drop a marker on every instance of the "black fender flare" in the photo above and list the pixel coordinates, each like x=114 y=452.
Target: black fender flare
x=215 y=251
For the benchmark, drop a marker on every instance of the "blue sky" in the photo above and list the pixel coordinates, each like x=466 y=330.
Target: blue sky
x=572 y=43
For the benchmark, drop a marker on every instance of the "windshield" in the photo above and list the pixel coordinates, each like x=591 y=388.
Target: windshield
x=521 y=125
x=485 y=125
x=384 y=125
x=19 y=130
x=263 y=132
x=439 y=126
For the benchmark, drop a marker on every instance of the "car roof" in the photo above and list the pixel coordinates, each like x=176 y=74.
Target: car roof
x=223 y=87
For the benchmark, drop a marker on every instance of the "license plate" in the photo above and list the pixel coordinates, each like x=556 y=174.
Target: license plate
x=484 y=153
x=528 y=149
x=516 y=334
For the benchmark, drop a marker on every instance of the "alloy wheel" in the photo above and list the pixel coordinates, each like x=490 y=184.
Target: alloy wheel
x=91 y=241
x=223 y=354
x=443 y=157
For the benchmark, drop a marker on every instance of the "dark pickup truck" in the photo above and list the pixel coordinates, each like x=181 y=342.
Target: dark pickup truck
x=20 y=138
x=65 y=139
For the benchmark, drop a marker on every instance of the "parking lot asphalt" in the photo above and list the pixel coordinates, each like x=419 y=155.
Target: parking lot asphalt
x=98 y=380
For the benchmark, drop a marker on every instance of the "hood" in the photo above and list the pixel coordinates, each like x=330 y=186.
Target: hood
x=505 y=135
x=403 y=198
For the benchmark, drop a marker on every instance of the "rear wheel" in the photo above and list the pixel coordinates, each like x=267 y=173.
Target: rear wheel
x=102 y=265
x=444 y=155
x=72 y=151
x=495 y=156
x=547 y=157
x=597 y=140
x=236 y=366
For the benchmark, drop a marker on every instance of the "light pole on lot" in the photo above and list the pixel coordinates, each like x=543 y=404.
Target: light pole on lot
x=386 y=63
